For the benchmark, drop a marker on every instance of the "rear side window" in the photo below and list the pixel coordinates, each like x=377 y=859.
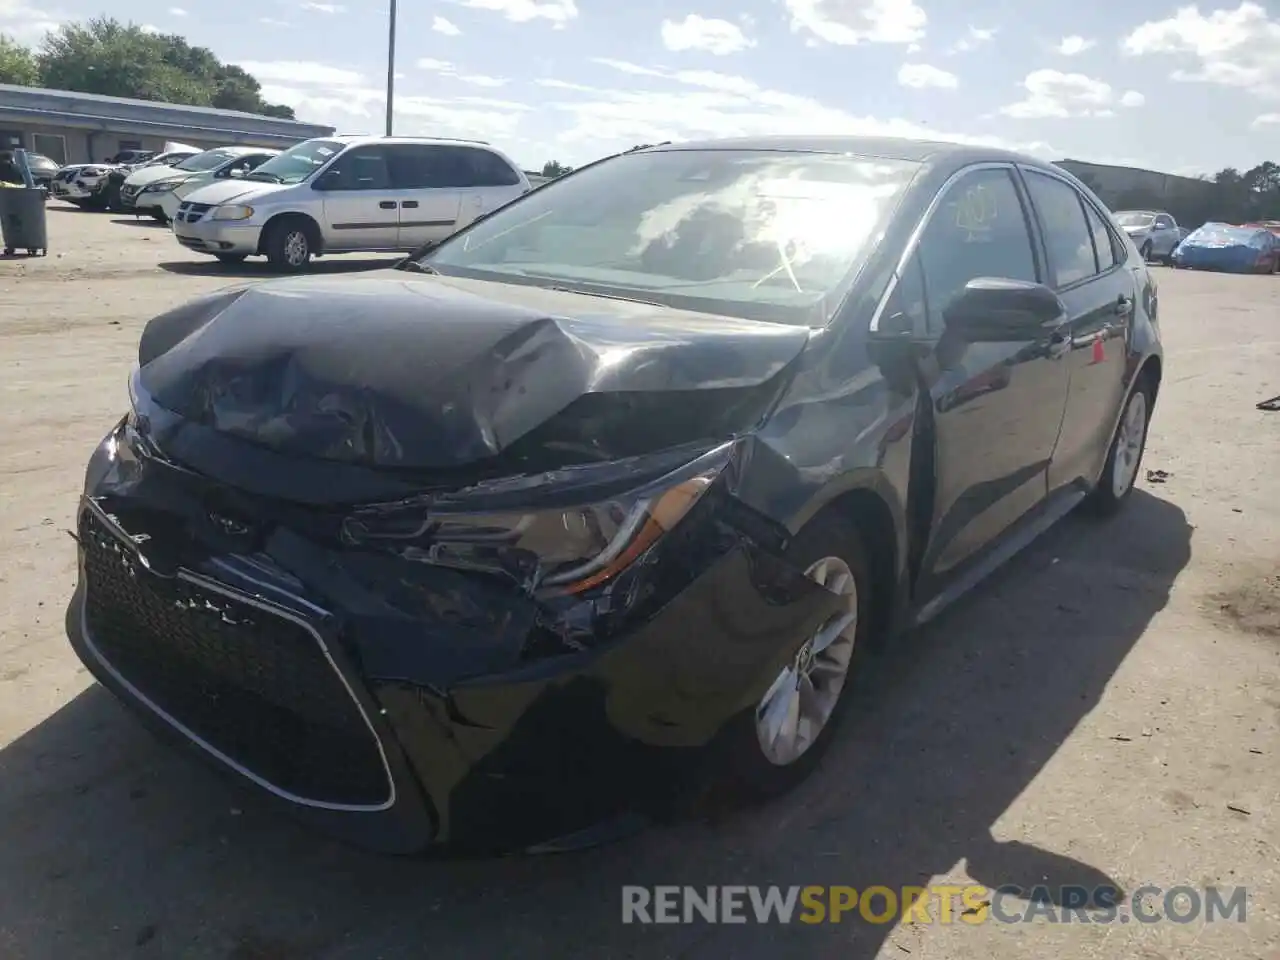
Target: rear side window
x=978 y=230
x=1103 y=242
x=1066 y=232
x=1164 y=223
x=491 y=170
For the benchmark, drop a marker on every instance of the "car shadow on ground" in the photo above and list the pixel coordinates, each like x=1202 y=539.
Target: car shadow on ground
x=151 y=223
x=112 y=842
x=260 y=269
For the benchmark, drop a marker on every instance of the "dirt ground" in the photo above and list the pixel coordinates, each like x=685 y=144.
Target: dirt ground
x=1107 y=707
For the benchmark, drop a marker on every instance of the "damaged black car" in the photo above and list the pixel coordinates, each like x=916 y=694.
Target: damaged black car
x=614 y=491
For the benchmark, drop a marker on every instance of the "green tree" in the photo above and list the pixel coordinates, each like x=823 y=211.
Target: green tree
x=17 y=64
x=118 y=59
x=554 y=168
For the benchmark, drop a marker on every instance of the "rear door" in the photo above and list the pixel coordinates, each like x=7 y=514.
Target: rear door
x=430 y=198
x=361 y=204
x=1089 y=270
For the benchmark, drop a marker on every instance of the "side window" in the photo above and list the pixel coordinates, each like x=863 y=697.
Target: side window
x=978 y=230
x=360 y=168
x=427 y=167
x=491 y=170
x=1066 y=232
x=1103 y=243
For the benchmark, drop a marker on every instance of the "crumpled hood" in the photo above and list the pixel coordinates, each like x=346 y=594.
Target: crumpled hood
x=144 y=175
x=224 y=191
x=426 y=373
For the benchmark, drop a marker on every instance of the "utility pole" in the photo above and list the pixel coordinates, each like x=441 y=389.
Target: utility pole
x=391 y=70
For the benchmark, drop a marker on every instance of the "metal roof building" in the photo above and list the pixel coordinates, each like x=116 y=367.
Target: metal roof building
x=72 y=127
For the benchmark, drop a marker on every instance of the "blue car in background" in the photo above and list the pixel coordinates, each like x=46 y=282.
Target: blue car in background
x=1221 y=246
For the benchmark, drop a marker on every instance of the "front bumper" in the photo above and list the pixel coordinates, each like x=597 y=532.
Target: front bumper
x=1208 y=258
x=72 y=190
x=216 y=236
x=133 y=200
x=462 y=725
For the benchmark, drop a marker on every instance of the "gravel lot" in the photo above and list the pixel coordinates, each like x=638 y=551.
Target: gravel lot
x=1109 y=706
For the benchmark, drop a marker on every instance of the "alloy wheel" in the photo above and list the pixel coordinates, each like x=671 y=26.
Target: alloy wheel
x=296 y=248
x=800 y=701
x=1129 y=441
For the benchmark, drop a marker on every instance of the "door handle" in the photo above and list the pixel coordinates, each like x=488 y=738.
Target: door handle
x=1123 y=305
x=410 y=204
x=387 y=205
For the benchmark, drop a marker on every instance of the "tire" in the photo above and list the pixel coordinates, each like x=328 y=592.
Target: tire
x=742 y=763
x=231 y=258
x=289 y=245
x=1111 y=493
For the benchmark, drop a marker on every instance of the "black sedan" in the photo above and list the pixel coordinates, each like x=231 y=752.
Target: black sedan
x=614 y=490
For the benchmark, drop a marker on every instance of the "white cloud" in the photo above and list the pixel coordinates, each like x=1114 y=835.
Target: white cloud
x=851 y=22
x=694 y=32
x=1075 y=44
x=177 y=12
x=303 y=72
x=444 y=68
x=150 y=28
x=921 y=76
x=1053 y=94
x=973 y=39
x=691 y=104
x=324 y=7
x=1233 y=48
x=1266 y=120
x=559 y=12
x=441 y=25
x=272 y=22
x=28 y=23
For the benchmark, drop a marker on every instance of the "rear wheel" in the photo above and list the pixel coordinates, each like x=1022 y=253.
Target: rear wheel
x=289 y=245
x=1124 y=459
x=776 y=744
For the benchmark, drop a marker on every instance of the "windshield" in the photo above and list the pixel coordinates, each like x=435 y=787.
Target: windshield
x=297 y=163
x=756 y=234
x=201 y=162
x=1130 y=219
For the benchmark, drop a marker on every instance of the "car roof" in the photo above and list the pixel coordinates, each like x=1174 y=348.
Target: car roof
x=936 y=152
x=354 y=138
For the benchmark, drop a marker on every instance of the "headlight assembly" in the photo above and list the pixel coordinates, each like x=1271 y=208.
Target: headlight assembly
x=232 y=212
x=562 y=550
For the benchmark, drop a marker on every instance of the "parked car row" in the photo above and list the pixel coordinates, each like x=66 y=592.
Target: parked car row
x=96 y=186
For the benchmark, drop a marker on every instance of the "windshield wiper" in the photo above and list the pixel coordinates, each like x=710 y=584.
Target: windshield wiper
x=604 y=296
x=413 y=266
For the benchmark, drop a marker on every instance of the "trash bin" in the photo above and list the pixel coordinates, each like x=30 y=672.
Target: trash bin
x=23 y=220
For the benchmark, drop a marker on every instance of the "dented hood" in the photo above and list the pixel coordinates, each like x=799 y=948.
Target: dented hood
x=428 y=372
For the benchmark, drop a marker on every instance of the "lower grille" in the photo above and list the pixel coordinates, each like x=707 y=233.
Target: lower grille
x=253 y=685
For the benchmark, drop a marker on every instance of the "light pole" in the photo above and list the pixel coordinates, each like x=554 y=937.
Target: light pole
x=391 y=70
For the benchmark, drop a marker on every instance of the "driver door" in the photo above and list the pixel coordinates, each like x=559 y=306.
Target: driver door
x=997 y=407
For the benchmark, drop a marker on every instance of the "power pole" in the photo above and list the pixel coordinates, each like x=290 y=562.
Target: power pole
x=391 y=70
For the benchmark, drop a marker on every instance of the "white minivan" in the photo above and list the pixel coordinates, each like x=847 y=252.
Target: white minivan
x=348 y=194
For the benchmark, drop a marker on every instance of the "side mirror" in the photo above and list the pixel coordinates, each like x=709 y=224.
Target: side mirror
x=992 y=309
x=237 y=173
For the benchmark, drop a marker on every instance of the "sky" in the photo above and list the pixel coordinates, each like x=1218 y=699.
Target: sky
x=1166 y=86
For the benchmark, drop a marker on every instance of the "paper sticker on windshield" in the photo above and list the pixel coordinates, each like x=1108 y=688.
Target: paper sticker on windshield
x=976 y=209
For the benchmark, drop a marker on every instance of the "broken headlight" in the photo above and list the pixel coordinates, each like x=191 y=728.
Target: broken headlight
x=565 y=549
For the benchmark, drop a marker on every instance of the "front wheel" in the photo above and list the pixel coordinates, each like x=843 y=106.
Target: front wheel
x=772 y=747
x=288 y=245
x=1120 y=473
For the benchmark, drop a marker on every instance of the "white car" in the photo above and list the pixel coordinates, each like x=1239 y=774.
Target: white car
x=348 y=194
x=144 y=189
x=233 y=169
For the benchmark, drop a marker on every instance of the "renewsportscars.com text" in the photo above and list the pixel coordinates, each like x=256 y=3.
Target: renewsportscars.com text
x=940 y=903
